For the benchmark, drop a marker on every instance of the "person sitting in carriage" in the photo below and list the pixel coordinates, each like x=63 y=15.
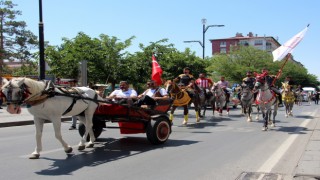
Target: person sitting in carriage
x=123 y=95
x=186 y=81
x=270 y=79
x=224 y=85
x=152 y=95
x=205 y=83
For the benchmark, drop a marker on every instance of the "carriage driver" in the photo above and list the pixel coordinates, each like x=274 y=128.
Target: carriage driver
x=186 y=81
x=152 y=95
x=124 y=95
x=269 y=79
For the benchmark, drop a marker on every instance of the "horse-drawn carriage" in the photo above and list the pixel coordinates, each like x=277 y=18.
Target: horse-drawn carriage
x=154 y=122
x=47 y=102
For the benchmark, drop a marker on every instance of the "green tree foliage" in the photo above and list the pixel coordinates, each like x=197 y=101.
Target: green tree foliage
x=16 y=42
x=242 y=59
x=105 y=56
x=169 y=58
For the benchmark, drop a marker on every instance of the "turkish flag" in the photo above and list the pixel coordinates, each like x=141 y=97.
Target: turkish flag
x=156 y=71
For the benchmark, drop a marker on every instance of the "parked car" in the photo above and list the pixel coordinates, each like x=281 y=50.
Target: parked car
x=304 y=95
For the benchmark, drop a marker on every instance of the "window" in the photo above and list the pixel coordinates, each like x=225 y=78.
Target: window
x=223 y=44
x=244 y=43
x=258 y=42
x=223 y=50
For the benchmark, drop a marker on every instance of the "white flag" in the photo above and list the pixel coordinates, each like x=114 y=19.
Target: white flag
x=288 y=47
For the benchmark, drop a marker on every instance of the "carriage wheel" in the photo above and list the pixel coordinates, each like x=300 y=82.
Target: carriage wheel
x=97 y=130
x=158 y=130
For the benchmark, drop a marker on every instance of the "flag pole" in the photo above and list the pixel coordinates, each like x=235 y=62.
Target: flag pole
x=280 y=70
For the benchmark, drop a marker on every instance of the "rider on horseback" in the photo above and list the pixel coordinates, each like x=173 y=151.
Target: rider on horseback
x=186 y=81
x=290 y=82
x=249 y=81
x=269 y=79
x=224 y=85
x=204 y=83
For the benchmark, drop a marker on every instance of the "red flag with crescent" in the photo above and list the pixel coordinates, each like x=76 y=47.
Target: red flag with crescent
x=156 y=71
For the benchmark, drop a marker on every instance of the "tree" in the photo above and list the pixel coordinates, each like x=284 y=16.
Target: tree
x=15 y=41
x=242 y=59
x=105 y=57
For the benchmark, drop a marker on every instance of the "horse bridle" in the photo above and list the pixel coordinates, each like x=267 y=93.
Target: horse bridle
x=22 y=94
x=247 y=92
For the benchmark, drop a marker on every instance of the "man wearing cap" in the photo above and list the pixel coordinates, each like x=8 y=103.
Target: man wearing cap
x=269 y=79
x=249 y=81
x=186 y=80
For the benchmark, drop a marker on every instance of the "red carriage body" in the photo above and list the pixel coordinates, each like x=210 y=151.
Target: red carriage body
x=154 y=122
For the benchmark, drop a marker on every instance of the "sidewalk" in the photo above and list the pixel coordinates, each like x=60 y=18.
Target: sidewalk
x=25 y=118
x=308 y=167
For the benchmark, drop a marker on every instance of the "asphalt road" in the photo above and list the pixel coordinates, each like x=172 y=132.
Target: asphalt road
x=222 y=148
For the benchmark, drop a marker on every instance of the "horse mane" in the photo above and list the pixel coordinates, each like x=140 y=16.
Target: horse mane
x=33 y=86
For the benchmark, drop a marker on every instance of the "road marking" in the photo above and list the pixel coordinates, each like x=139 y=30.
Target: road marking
x=275 y=157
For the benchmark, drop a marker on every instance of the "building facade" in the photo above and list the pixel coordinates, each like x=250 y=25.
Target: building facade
x=266 y=43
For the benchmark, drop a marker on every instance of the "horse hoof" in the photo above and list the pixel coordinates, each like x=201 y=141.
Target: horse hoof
x=82 y=147
x=273 y=125
x=249 y=120
x=286 y=116
x=184 y=123
x=90 y=145
x=264 y=129
x=69 y=150
x=34 y=156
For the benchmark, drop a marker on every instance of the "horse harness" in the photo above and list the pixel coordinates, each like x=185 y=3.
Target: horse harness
x=49 y=91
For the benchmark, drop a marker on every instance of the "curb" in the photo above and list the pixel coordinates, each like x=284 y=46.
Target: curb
x=27 y=122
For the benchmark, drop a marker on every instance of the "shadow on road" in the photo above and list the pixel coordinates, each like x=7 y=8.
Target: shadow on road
x=106 y=150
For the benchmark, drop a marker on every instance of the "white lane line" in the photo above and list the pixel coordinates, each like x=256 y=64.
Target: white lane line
x=275 y=157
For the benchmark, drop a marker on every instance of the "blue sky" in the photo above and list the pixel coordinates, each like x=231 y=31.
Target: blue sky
x=179 y=20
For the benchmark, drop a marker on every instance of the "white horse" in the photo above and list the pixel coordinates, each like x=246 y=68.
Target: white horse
x=266 y=99
x=220 y=97
x=46 y=102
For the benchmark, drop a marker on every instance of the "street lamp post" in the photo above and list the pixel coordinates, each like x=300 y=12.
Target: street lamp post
x=42 y=65
x=204 y=30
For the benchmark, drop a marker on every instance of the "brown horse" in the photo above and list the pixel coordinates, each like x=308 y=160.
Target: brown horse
x=180 y=98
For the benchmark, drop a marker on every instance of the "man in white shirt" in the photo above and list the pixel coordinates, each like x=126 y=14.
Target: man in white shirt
x=152 y=95
x=124 y=95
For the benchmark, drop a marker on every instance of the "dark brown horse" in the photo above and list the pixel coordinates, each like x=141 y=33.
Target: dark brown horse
x=182 y=98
